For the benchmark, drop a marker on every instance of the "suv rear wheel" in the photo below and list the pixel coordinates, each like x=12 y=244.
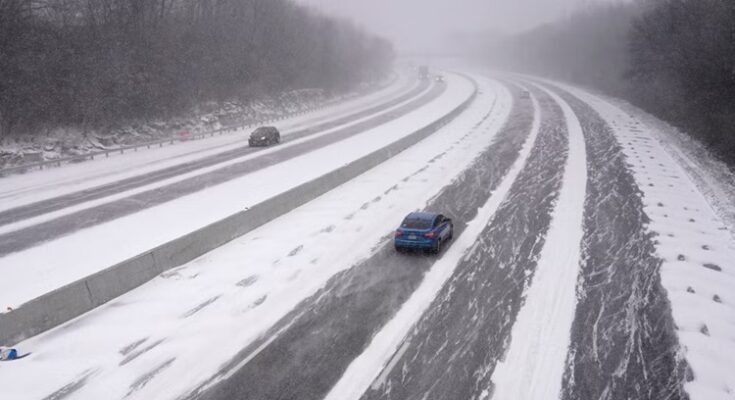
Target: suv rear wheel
x=437 y=247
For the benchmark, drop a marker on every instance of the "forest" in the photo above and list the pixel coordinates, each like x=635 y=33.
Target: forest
x=673 y=58
x=95 y=63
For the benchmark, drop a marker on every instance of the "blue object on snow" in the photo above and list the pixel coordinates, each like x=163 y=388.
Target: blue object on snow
x=8 y=354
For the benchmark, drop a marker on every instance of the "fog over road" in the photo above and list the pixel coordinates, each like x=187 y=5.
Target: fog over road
x=317 y=304
x=225 y=200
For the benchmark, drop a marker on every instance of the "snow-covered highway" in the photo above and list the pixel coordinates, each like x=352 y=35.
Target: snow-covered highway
x=176 y=206
x=586 y=264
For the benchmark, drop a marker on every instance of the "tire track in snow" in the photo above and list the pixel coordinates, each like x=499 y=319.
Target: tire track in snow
x=533 y=366
x=623 y=339
x=70 y=388
x=331 y=328
x=453 y=349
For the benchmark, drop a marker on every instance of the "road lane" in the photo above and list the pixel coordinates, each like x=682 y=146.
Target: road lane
x=453 y=350
x=549 y=300
x=623 y=339
x=387 y=344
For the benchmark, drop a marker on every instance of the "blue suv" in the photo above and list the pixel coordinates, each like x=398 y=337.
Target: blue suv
x=423 y=230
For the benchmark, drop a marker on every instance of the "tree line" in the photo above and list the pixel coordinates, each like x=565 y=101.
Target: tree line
x=92 y=63
x=673 y=58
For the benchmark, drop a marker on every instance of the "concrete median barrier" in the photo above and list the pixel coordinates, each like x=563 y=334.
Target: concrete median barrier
x=77 y=298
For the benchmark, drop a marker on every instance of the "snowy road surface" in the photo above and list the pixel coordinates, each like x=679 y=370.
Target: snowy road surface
x=585 y=265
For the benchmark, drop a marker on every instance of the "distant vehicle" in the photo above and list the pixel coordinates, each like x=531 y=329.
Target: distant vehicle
x=439 y=78
x=264 y=136
x=423 y=230
x=525 y=94
x=423 y=72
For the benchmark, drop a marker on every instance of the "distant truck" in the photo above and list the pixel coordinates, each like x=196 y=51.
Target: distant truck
x=423 y=72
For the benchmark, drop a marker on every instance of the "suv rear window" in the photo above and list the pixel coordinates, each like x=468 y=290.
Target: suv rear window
x=260 y=132
x=416 y=223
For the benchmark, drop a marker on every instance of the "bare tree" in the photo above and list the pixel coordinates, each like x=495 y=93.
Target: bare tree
x=100 y=62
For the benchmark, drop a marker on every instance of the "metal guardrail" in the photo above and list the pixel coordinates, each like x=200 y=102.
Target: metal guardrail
x=40 y=165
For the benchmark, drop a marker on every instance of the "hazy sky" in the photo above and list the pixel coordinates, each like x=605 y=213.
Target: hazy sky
x=416 y=25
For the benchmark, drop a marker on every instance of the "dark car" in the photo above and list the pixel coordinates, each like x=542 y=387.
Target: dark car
x=439 y=79
x=264 y=136
x=424 y=230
